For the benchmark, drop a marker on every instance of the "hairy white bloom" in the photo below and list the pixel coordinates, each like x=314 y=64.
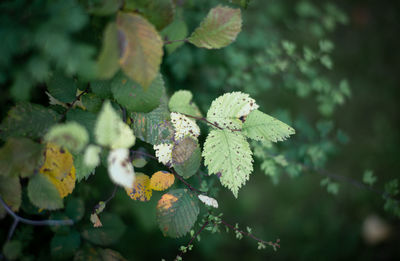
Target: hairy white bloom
x=164 y=153
x=208 y=201
x=184 y=126
x=120 y=168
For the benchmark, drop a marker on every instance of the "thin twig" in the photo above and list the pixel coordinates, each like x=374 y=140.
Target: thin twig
x=203 y=119
x=270 y=243
x=143 y=154
x=112 y=195
x=191 y=240
x=77 y=98
x=18 y=219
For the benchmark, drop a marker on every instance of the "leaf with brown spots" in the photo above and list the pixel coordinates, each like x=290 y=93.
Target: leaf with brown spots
x=161 y=180
x=141 y=190
x=177 y=212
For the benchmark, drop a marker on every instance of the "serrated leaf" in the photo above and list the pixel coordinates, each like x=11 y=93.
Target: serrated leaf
x=218 y=29
x=230 y=109
x=228 y=154
x=102 y=89
x=161 y=180
x=159 y=12
x=10 y=191
x=141 y=190
x=153 y=127
x=111 y=131
x=81 y=169
x=141 y=48
x=108 y=61
x=91 y=102
x=177 y=212
x=113 y=228
x=29 y=120
x=62 y=88
x=19 y=157
x=59 y=169
x=43 y=194
x=260 y=126
x=181 y=101
x=64 y=246
x=177 y=30
x=70 y=135
x=120 y=168
x=133 y=97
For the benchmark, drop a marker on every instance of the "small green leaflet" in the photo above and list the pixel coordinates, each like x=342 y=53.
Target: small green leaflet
x=181 y=101
x=218 y=29
x=228 y=110
x=260 y=126
x=111 y=131
x=70 y=135
x=228 y=154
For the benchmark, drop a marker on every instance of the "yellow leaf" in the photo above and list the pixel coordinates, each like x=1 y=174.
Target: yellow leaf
x=141 y=188
x=161 y=180
x=59 y=169
x=166 y=201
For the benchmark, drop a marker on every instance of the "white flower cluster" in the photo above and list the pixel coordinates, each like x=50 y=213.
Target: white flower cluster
x=164 y=153
x=184 y=126
x=208 y=201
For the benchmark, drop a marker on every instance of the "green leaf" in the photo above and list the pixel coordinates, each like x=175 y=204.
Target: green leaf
x=186 y=157
x=159 y=12
x=111 y=131
x=29 y=120
x=82 y=170
x=62 y=88
x=108 y=61
x=19 y=156
x=153 y=127
x=133 y=97
x=75 y=208
x=228 y=154
x=369 y=178
x=177 y=30
x=177 y=212
x=141 y=51
x=218 y=29
x=43 y=194
x=102 y=89
x=98 y=254
x=91 y=102
x=10 y=191
x=12 y=249
x=113 y=228
x=229 y=110
x=242 y=3
x=70 y=135
x=181 y=101
x=84 y=118
x=104 y=7
x=64 y=246
x=260 y=126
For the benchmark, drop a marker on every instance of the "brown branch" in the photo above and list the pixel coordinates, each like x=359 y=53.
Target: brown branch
x=275 y=245
x=77 y=98
x=191 y=240
x=209 y=122
x=176 y=41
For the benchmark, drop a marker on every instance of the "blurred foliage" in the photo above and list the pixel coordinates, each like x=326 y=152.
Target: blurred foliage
x=298 y=59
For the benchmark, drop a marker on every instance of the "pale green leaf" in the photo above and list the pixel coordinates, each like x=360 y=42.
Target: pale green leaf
x=108 y=61
x=92 y=156
x=70 y=135
x=141 y=48
x=261 y=126
x=218 y=29
x=181 y=101
x=228 y=154
x=229 y=110
x=111 y=131
x=133 y=97
x=43 y=194
x=177 y=212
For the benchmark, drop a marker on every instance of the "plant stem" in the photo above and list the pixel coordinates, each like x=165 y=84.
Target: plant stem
x=176 y=41
x=192 y=239
x=18 y=219
x=77 y=98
